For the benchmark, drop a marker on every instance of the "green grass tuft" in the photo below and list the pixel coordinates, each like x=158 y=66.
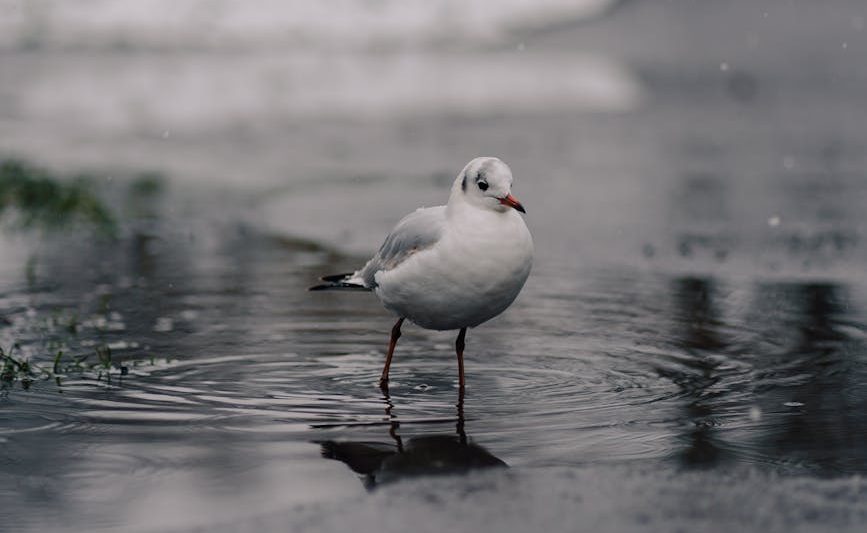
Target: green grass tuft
x=40 y=199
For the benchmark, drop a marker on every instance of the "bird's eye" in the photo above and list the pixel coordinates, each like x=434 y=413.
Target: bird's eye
x=483 y=185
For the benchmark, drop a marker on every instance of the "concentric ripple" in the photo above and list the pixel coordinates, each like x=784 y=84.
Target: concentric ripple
x=231 y=391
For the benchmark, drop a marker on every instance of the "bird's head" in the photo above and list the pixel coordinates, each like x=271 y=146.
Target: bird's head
x=486 y=182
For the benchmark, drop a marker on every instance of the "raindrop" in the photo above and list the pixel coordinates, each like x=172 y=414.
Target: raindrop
x=164 y=324
x=755 y=414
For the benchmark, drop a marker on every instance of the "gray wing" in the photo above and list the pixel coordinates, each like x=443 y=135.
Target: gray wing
x=416 y=231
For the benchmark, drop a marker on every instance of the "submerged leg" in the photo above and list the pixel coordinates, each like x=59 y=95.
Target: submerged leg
x=459 y=348
x=462 y=435
x=395 y=334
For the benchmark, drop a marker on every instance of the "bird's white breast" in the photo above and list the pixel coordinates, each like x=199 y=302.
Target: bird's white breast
x=471 y=275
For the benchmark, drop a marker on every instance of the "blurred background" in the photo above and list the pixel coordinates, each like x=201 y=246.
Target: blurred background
x=175 y=174
x=601 y=107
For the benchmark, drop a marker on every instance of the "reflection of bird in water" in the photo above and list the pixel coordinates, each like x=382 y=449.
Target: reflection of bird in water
x=425 y=455
x=452 y=266
x=421 y=456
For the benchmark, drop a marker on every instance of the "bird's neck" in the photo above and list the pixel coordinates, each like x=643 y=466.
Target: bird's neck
x=462 y=212
x=458 y=206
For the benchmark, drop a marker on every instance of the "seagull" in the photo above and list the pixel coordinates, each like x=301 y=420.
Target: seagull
x=453 y=266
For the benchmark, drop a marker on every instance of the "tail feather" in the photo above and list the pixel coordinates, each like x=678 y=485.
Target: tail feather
x=338 y=282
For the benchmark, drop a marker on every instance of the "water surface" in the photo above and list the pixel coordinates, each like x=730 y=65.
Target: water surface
x=688 y=353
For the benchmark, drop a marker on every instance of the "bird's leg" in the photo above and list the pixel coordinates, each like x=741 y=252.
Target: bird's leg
x=395 y=334
x=394 y=424
x=462 y=435
x=459 y=348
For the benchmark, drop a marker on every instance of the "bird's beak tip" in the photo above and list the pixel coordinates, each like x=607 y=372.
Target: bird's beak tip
x=513 y=202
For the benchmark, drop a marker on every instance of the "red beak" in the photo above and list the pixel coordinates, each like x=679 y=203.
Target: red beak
x=511 y=201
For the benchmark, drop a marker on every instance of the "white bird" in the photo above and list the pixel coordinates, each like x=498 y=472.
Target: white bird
x=453 y=266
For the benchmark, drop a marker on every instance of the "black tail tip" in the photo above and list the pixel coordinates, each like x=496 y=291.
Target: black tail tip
x=337 y=277
x=338 y=286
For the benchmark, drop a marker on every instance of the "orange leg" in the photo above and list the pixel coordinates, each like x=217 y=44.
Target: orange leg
x=459 y=348
x=395 y=334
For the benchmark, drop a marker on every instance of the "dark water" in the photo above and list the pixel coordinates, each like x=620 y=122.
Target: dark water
x=240 y=382
x=689 y=353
